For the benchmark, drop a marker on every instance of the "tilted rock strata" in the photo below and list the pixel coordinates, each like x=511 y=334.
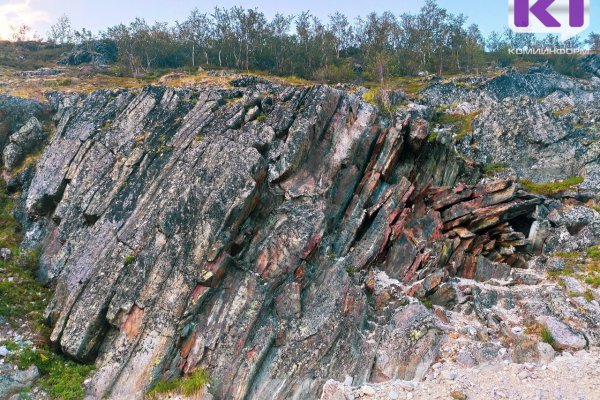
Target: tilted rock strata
x=241 y=231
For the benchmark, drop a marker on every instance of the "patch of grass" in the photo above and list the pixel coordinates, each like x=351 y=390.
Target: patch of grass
x=546 y=336
x=463 y=123
x=594 y=253
x=588 y=295
x=551 y=187
x=494 y=168
x=595 y=208
x=10 y=345
x=411 y=85
x=296 y=81
x=128 y=260
x=594 y=281
x=10 y=231
x=61 y=378
x=58 y=82
x=187 y=386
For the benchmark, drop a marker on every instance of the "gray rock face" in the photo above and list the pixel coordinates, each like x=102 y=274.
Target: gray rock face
x=183 y=234
x=271 y=235
x=26 y=140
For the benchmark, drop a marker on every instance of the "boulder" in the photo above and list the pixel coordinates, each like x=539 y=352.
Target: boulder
x=565 y=338
x=13 y=380
x=26 y=140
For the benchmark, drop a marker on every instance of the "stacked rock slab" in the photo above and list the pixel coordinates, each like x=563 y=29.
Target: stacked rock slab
x=240 y=230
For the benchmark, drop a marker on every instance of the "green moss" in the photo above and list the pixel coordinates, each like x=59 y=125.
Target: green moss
x=187 y=386
x=128 y=260
x=546 y=336
x=199 y=138
x=261 y=118
x=551 y=187
x=588 y=295
x=595 y=208
x=350 y=269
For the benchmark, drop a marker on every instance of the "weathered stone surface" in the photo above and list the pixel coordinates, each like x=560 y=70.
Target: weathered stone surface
x=564 y=337
x=183 y=231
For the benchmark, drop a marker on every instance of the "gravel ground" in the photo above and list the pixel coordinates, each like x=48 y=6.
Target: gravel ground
x=568 y=376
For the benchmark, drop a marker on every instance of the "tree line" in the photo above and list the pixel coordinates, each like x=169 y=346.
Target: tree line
x=373 y=47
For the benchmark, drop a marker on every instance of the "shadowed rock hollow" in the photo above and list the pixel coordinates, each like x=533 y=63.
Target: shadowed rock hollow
x=277 y=237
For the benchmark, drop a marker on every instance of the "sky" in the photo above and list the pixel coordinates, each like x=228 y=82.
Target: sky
x=99 y=14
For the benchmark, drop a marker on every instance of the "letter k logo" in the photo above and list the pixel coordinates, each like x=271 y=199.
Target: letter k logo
x=539 y=9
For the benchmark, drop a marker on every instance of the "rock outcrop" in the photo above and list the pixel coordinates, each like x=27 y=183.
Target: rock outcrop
x=275 y=236
x=551 y=119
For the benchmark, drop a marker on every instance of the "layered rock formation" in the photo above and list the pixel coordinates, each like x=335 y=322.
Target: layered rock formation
x=277 y=237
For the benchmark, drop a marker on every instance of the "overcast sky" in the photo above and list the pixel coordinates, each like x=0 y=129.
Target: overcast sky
x=99 y=14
